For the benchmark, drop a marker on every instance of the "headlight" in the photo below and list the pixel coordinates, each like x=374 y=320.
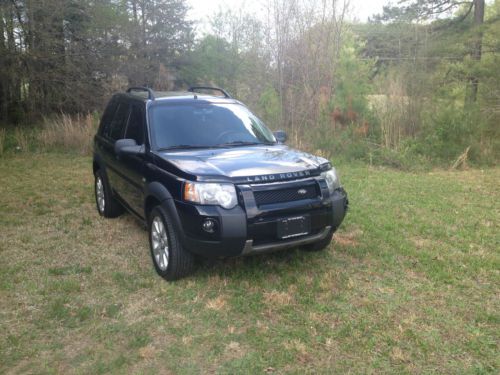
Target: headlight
x=209 y=193
x=332 y=180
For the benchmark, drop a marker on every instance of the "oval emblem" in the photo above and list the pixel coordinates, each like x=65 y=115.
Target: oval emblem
x=302 y=191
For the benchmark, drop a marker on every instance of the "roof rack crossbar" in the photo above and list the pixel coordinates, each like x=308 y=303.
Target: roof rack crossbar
x=197 y=88
x=151 y=93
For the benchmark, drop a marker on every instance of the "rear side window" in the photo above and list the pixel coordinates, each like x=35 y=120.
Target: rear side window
x=117 y=126
x=135 y=127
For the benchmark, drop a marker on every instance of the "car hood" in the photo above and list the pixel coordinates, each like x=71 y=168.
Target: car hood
x=247 y=164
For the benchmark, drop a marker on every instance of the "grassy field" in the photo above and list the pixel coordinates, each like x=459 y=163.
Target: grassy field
x=411 y=284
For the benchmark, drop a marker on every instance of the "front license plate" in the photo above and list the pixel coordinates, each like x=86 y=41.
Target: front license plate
x=294 y=227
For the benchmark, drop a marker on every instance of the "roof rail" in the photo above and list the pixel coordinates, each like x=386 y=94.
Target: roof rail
x=151 y=93
x=197 y=88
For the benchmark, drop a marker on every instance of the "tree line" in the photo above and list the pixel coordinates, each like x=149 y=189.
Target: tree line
x=66 y=55
x=420 y=80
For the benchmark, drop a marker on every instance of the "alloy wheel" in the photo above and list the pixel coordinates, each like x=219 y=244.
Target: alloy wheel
x=99 y=190
x=159 y=243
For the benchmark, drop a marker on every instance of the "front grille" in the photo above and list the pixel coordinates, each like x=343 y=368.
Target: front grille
x=289 y=194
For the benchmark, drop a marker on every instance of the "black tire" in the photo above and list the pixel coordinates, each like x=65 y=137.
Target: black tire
x=111 y=207
x=179 y=261
x=320 y=245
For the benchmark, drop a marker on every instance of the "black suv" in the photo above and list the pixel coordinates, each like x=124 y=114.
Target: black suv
x=207 y=177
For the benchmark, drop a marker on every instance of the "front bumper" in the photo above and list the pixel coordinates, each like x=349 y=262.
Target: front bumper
x=253 y=230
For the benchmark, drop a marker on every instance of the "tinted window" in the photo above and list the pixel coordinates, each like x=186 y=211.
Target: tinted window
x=135 y=128
x=119 y=120
x=206 y=125
x=107 y=117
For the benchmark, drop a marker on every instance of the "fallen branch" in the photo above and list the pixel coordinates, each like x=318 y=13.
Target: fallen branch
x=462 y=159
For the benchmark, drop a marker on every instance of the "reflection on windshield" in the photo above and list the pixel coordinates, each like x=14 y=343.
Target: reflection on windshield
x=206 y=125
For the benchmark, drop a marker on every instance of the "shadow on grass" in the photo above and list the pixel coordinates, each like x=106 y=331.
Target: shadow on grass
x=288 y=264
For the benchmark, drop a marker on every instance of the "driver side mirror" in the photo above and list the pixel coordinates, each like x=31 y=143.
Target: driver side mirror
x=280 y=136
x=128 y=146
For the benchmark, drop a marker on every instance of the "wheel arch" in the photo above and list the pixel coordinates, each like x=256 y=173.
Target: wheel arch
x=156 y=194
x=97 y=164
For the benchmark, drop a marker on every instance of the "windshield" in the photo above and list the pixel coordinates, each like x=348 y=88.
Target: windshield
x=205 y=125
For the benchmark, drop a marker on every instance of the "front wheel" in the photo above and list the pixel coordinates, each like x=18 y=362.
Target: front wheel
x=170 y=259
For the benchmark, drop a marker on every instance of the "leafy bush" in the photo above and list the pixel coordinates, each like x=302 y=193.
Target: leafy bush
x=269 y=107
x=3 y=133
x=449 y=130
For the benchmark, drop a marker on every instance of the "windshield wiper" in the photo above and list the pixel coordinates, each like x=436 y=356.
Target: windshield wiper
x=243 y=143
x=222 y=145
x=183 y=147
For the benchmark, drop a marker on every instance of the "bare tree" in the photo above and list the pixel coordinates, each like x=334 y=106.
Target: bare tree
x=304 y=38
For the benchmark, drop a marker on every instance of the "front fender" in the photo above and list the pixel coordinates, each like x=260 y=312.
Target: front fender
x=157 y=191
x=161 y=194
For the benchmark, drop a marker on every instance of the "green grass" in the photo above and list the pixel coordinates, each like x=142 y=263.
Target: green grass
x=409 y=285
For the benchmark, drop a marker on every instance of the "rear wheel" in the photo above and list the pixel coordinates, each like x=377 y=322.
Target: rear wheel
x=170 y=259
x=320 y=245
x=106 y=205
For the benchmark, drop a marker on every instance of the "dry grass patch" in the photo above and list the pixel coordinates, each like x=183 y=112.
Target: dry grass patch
x=348 y=239
x=422 y=243
x=300 y=349
x=69 y=133
x=147 y=352
x=277 y=299
x=234 y=350
x=398 y=355
x=217 y=304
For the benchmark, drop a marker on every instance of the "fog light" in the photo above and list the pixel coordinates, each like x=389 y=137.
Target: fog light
x=209 y=225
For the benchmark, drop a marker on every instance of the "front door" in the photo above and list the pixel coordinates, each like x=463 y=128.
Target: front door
x=111 y=134
x=131 y=166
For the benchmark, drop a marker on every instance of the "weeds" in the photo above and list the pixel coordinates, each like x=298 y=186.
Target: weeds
x=3 y=134
x=73 y=134
x=22 y=140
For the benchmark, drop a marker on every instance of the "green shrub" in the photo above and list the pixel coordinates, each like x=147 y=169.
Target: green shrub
x=270 y=107
x=2 y=140
x=449 y=130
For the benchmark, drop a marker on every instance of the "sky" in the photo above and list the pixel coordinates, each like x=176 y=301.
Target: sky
x=202 y=9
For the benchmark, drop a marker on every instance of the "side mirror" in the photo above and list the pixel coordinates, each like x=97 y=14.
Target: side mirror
x=128 y=146
x=280 y=136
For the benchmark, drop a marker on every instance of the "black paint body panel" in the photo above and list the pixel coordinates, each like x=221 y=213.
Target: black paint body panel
x=136 y=179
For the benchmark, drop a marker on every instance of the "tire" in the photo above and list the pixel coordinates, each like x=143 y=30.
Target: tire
x=106 y=204
x=320 y=245
x=170 y=259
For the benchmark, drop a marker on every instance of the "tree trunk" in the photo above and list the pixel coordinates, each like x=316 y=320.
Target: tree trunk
x=477 y=45
x=3 y=63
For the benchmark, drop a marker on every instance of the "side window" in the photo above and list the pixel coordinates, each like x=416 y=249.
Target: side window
x=135 y=127
x=107 y=117
x=117 y=126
